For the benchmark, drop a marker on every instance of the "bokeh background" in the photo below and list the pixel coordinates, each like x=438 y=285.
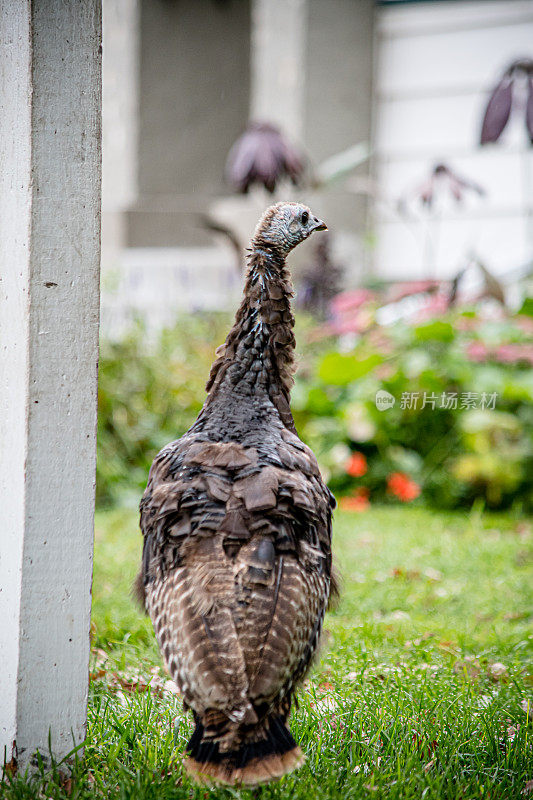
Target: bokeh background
x=407 y=126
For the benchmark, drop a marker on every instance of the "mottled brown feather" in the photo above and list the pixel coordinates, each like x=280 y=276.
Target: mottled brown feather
x=236 y=523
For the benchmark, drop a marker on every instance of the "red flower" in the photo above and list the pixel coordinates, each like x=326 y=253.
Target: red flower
x=400 y=290
x=356 y=466
x=358 y=501
x=401 y=485
x=346 y=302
x=436 y=305
x=513 y=353
x=477 y=351
x=525 y=323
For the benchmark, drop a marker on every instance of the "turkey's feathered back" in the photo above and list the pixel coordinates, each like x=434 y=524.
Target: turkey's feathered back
x=237 y=534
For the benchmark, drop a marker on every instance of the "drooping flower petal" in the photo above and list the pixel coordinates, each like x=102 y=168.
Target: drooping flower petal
x=442 y=180
x=529 y=108
x=498 y=111
x=262 y=155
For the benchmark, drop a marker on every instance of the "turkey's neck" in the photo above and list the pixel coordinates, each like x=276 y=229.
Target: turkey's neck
x=258 y=355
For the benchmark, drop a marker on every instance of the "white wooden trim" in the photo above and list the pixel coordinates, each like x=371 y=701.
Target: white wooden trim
x=50 y=101
x=419 y=20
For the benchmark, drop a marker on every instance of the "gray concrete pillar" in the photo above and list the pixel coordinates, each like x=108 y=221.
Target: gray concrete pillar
x=50 y=101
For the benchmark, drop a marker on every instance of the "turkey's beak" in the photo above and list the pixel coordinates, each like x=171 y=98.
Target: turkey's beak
x=318 y=225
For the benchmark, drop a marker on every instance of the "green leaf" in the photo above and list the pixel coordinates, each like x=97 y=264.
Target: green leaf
x=339 y=369
x=527 y=307
x=319 y=403
x=437 y=330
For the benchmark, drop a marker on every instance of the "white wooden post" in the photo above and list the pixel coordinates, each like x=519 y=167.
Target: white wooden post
x=279 y=34
x=50 y=90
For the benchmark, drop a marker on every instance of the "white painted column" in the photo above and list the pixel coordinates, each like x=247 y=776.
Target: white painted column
x=279 y=32
x=50 y=101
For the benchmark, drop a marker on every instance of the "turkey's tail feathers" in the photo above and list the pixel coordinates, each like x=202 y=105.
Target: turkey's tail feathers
x=257 y=758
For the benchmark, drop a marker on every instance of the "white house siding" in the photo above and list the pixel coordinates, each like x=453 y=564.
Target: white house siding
x=156 y=283
x=436 y=64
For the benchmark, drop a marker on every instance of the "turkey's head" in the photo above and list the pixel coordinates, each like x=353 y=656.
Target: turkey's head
x=285 y=225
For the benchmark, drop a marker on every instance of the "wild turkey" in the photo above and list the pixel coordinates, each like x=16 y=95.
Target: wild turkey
x=236 y=520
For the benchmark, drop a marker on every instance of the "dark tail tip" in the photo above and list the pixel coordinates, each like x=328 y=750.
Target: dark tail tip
x=138 y=592
x=257 y=760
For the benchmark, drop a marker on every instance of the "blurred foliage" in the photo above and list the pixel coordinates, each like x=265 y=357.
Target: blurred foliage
x=482 y=448
x=152 y=386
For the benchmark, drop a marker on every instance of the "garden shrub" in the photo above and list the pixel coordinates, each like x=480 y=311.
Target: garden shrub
x=460 y=428
x=151 y=386
x=461 y=423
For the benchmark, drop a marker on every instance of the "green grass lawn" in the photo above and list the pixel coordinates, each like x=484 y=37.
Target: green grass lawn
x=422 y=689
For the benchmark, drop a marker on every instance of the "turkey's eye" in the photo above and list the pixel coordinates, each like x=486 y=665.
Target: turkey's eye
x=305 y=217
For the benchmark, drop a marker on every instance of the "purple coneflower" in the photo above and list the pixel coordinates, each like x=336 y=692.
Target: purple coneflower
x=262 y=155
x=444 y=178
